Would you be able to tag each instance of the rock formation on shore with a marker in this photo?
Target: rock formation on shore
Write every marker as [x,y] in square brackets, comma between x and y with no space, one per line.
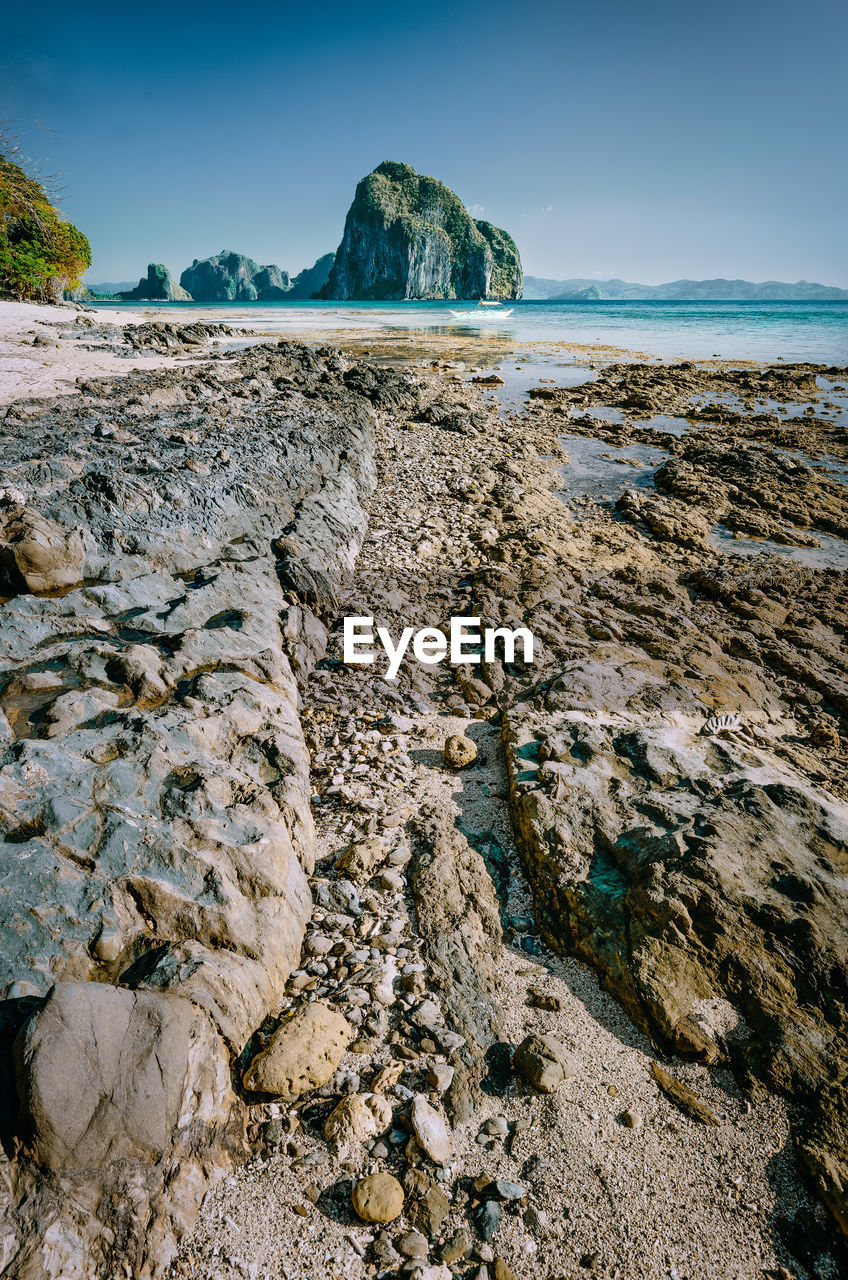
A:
[154,783]
[156,286]
[233,277]
[410,236]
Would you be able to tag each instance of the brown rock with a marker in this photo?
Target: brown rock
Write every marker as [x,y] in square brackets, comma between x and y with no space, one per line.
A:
[36,554]
[302,1055]
[361,859]
[378,1198]
[459,751]
[543,1062]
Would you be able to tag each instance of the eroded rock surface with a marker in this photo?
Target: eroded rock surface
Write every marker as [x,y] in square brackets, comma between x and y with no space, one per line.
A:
[154,781]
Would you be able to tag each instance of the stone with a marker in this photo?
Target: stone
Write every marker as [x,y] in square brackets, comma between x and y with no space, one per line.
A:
[684,1098]
[427,1014]
[488,1219]
[356,1120]
[440,1076]
[454,1248]
[825,735]
[631,1118]
[378,1198]
[496,1127]
[502,1270]
[429,1212]
[459,751]
[409,236]
[36,553]
[360,860]
[430,1131]
[543,1063]
[544,1000]
[412,1244]
[501,1189]
[302,1055]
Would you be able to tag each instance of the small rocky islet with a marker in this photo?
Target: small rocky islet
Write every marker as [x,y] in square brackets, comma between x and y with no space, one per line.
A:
[301,965]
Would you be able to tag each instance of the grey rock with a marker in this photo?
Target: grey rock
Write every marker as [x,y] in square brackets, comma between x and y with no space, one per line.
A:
[156,286]
[409,236]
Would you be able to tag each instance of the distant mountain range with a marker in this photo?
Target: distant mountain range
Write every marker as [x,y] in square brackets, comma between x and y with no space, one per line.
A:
[581,290]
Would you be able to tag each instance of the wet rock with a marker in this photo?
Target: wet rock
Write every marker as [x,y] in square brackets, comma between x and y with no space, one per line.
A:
[302,1054]
[378,1198]
[543,1063]
[459,751]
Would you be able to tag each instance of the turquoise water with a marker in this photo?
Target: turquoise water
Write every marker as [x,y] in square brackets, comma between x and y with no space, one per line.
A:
[813,331]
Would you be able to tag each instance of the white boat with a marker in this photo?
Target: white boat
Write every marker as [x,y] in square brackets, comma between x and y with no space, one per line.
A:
[485,310]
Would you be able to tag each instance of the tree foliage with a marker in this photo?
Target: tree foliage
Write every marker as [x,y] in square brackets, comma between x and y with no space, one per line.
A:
[41,253]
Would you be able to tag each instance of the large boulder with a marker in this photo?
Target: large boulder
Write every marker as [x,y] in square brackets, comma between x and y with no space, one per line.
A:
[126,1111]
[36,554]
[410,236]
[233,277]
[156,286]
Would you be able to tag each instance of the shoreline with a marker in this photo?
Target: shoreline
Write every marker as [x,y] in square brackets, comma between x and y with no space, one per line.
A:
[656,631]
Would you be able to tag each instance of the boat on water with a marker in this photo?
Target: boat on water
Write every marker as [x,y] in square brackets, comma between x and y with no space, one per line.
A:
[486,309]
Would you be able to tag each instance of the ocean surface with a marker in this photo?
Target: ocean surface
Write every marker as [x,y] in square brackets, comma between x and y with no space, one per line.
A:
[806,331]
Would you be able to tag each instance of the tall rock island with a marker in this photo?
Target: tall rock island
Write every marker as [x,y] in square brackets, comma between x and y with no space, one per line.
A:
[233,277]
[157,286]
[409,236]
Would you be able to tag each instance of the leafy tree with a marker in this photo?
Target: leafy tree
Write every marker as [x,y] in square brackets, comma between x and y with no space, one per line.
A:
[41,253]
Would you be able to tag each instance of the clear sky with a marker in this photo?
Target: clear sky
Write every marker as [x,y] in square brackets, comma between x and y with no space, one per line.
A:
[647,140]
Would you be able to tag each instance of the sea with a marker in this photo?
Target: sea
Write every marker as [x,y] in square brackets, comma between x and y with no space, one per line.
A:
[792,331]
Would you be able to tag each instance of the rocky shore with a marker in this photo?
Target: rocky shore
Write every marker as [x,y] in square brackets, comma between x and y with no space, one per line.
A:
[502,969]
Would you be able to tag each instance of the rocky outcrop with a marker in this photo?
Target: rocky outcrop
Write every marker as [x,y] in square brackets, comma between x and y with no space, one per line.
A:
[309,282]
[409,236]
[154,781]
[233,277]
[700,875]
[156,286]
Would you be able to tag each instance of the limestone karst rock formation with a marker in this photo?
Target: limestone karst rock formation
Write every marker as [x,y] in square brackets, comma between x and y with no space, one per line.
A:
[156,286]
[410,236]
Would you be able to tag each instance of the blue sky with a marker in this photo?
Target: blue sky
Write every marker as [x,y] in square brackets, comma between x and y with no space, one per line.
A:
[648,141]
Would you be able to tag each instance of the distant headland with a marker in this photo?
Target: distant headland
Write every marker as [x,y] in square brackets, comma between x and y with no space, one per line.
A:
[583,290]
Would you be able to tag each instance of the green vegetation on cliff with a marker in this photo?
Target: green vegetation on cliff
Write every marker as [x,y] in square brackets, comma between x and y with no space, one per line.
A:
[409,236]
[40,252]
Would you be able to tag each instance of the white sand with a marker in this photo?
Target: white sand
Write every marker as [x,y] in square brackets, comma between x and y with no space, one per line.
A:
[28,371]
